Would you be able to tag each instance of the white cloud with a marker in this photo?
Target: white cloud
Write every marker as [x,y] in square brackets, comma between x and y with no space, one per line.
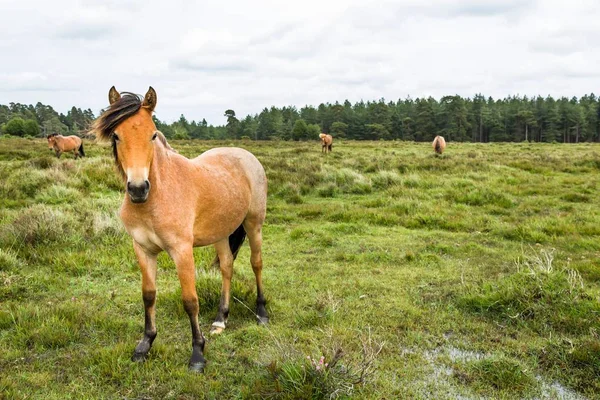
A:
[205,57]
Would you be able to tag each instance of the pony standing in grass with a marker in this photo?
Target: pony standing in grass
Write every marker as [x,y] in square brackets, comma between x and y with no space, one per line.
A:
[175,204]
[62,144]
[439,144]
[326,142]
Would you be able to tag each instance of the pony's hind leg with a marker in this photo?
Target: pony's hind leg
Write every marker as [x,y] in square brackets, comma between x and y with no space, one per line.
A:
[184,260]
[255,239]
[147,264]
[226,265]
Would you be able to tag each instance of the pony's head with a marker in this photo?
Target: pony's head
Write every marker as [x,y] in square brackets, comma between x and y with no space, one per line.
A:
[128,124]
[51,140]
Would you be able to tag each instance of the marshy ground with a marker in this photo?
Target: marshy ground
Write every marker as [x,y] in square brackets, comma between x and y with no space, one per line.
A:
[475,274]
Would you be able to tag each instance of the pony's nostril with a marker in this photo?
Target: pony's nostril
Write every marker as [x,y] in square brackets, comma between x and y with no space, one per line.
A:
[138,191]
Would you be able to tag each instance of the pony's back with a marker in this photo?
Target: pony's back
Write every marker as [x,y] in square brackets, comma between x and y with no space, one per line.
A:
[439,144]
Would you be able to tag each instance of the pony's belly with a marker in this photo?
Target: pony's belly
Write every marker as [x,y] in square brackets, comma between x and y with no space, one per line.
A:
[208,231]
[205,241]
[206,237]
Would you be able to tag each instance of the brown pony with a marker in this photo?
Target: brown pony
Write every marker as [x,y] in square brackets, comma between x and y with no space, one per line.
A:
[326,142]
[439,144]
[61,144]
[174,204]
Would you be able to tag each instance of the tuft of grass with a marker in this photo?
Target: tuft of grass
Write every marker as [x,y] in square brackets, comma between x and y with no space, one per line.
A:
[581,358]
[500,374]
[576,198]
[9,260]
[308,379]
[56,194]
[332,375]
[327,190]
[43,162]
[385,179]
[40,224]
[290,193]
[523,233]
[347,180]
[539,294]
[480,197]
[25,183]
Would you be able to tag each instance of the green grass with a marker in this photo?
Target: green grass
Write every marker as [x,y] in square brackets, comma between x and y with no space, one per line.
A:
[473,275]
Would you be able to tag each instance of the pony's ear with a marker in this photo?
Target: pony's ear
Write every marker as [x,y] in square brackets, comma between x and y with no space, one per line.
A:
[113,95]
[150,99]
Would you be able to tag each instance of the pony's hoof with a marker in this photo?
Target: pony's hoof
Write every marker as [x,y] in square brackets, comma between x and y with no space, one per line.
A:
[263,321]
[216,330]
[139,357]
[197,368]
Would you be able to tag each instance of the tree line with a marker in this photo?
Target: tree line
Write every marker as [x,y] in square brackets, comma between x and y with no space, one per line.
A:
[28,120]
[476,119]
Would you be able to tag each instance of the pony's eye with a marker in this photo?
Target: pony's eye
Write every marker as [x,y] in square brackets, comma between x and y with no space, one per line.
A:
[115,137]
[154,136]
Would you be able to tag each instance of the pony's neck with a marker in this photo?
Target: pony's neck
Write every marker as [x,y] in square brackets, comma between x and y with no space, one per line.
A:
[158,161]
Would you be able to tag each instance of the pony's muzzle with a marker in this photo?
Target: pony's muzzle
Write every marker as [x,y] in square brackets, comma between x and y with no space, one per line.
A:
[138,192]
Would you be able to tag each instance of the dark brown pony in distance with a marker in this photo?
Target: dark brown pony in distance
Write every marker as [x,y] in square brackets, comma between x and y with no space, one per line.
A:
[439,144]
[326,142]
[174,204]
[62,144]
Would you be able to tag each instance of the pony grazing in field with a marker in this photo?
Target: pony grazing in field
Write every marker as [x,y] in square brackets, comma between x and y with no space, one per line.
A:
[61,144]
[439,144]
[175,204]
[326,142]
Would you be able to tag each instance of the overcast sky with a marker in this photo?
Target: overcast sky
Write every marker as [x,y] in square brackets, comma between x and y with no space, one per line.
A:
[205,57]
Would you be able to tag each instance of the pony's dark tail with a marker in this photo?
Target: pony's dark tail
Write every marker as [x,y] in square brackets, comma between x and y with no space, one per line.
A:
[438,147]
[81,150]
[236,239]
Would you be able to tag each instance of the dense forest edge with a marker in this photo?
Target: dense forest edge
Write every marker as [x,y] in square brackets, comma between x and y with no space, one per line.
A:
[477,119]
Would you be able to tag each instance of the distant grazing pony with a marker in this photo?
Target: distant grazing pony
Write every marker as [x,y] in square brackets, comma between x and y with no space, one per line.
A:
[174,204]
[61,144]
[439,144]
[326,142]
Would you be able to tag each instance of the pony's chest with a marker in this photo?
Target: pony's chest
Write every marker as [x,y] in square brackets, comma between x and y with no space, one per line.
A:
[146,237]
[142,232]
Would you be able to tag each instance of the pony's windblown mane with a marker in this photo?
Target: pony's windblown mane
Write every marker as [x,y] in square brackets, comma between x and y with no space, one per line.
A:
[117,112]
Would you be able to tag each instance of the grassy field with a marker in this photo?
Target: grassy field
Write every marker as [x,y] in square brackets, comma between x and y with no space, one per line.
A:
[471,275]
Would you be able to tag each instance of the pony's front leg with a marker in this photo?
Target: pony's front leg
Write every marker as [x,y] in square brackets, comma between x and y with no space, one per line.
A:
[184,260]
[226,265]
[58,153]
[147,264]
